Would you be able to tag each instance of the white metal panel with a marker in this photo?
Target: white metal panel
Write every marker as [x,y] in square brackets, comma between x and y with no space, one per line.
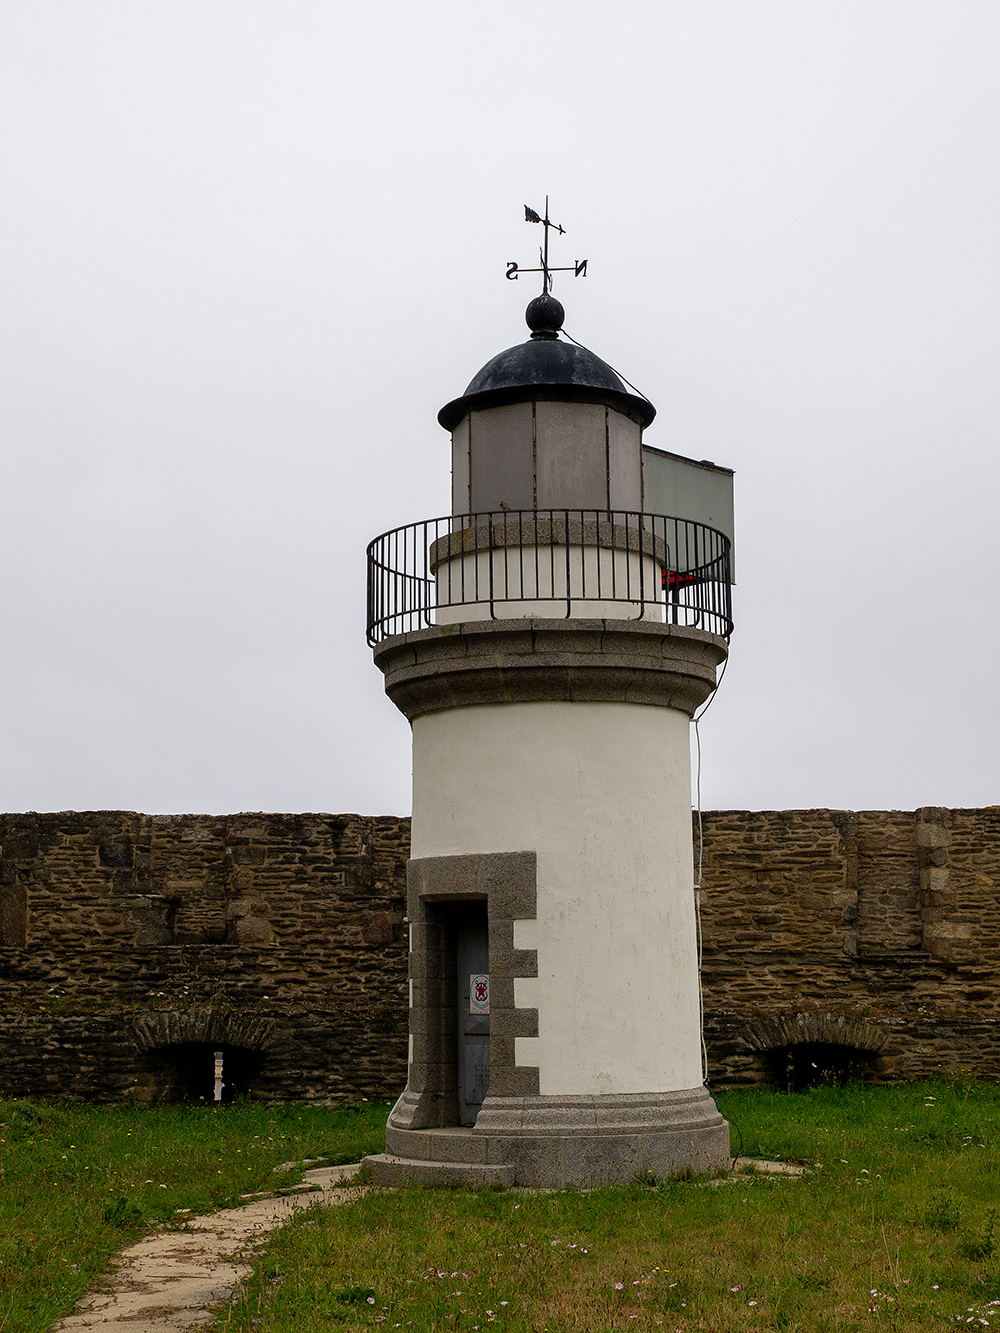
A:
[461,501]
[624,462]
[501,457]
[686,488]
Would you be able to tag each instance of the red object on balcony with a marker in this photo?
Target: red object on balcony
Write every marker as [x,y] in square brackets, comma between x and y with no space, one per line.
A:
[677,578]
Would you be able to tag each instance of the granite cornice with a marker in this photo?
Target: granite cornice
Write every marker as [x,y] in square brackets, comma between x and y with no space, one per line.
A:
[520,661]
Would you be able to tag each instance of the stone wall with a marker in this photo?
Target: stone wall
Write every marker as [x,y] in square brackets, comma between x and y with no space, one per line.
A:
[126,936]
[874,929]
[123,935]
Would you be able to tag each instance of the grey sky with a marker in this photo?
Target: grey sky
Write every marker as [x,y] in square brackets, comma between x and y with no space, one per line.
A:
[249,249]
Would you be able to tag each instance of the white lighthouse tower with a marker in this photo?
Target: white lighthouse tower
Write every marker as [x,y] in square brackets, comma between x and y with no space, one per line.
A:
[549,642]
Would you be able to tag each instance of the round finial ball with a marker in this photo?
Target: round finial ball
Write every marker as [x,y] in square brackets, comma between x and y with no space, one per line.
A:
[544,314]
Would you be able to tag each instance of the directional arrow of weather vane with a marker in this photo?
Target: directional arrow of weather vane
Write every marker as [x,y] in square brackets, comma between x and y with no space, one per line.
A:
[578,269]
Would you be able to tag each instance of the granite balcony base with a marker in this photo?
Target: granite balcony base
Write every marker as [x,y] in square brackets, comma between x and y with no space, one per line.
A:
[551,1142]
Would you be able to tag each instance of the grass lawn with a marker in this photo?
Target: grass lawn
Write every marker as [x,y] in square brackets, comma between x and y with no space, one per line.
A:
[893,1228]
[78,1182]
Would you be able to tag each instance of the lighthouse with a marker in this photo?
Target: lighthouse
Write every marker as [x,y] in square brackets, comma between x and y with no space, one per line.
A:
[549,641]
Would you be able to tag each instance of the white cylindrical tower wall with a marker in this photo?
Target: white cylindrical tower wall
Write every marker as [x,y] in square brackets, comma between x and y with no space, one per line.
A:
[601,793]
[551,775]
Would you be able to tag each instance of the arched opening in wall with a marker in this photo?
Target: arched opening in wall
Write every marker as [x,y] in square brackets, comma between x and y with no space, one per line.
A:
[810,1064]
[199,1071]
[805,1050]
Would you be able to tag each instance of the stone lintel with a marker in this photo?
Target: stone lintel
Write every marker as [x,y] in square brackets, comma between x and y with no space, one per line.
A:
[777,1030]
[221,1027]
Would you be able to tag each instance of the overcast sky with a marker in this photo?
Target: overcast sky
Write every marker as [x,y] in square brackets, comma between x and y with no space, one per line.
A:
[247,250]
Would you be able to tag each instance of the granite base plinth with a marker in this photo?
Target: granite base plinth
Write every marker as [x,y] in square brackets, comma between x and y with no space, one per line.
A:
[551,1142]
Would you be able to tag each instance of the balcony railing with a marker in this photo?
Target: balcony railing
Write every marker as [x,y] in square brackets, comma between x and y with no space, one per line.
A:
[551,563]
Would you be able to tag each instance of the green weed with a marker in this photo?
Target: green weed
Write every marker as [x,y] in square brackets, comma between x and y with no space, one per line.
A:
[123,1213]
[944,1212]
[357,1296]
[982,1247]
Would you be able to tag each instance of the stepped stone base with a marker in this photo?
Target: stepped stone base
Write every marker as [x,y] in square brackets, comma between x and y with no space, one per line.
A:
[387,1170]
[552,1142]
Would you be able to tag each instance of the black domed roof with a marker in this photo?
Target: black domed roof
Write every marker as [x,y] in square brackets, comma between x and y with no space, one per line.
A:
[546,369]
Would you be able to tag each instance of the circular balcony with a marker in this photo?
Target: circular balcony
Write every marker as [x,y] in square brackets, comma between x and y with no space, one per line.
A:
[549,564]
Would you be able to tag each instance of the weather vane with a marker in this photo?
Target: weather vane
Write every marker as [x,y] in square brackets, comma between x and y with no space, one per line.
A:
[578,269]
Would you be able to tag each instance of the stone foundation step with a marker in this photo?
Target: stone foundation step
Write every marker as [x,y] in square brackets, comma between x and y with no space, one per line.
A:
[396,1171]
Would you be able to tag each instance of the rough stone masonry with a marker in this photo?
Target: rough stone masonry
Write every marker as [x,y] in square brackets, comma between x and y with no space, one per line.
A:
[125,938]
[875,930]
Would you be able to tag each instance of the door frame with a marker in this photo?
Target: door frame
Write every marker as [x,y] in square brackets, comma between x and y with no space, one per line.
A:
[506,881]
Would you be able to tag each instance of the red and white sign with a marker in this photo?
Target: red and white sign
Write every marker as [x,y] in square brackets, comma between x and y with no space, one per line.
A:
[479,993]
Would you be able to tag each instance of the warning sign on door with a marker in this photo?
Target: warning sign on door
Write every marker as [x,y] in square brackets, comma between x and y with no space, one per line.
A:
[479,993]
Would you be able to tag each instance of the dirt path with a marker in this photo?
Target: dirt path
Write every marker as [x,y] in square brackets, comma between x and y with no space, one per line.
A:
[171,1280]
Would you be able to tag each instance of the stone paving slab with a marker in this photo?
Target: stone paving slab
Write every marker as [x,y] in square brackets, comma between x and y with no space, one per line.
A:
[746,1166]
[171,1280]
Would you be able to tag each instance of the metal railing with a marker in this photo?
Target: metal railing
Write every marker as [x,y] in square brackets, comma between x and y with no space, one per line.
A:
[551,563]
